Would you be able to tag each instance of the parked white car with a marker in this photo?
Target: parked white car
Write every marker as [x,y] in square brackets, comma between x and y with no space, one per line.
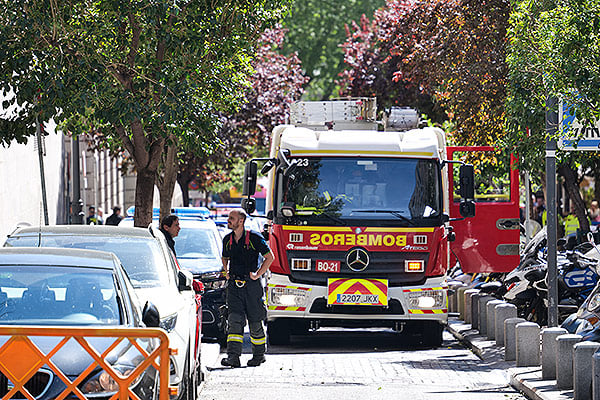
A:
[155,276]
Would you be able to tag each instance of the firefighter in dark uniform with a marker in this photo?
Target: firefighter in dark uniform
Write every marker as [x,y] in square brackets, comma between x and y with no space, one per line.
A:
[245,293]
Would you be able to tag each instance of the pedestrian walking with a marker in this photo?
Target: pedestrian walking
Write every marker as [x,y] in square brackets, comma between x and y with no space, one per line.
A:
[116,216]
[169,226]
[245,293]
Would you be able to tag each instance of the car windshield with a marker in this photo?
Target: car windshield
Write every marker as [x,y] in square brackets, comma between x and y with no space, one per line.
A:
[51,295]
[142,258]
[196,243]
[367,189]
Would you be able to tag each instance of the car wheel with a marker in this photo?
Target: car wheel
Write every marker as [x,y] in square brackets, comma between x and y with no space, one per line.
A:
[190,383]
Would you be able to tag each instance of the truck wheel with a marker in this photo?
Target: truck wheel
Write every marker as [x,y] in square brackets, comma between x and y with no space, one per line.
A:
[278,332]
[432,334]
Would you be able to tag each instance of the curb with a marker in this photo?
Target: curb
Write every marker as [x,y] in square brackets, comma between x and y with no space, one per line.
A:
[527,380]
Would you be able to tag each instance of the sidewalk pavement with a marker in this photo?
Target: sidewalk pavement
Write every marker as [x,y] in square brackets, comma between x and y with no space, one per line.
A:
[527,380]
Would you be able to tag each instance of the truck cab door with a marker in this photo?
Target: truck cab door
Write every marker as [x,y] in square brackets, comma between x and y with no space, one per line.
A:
[488,242]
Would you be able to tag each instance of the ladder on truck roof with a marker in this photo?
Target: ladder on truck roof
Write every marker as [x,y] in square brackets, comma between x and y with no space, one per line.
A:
[350,114]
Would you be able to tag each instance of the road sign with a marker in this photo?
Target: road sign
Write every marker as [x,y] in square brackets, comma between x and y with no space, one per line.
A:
[576,136]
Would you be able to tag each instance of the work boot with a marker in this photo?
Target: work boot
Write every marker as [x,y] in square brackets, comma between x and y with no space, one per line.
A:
[255,361]
[231,361]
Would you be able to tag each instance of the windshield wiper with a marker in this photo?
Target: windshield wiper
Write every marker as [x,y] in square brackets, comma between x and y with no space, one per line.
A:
[396,214]
[331,217]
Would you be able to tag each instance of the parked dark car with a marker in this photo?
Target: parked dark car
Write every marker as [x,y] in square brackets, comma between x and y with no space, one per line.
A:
[67,287]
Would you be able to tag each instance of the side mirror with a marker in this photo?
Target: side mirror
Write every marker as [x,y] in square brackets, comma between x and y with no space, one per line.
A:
[250,178]
[268,166]
[270,215]
[467,208]
[186,280]
[249,205]
[467,191]
[150,315]
[288,210]
[198,287]
[467,182]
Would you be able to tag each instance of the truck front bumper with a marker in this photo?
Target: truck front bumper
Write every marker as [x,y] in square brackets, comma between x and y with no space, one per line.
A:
[405,303]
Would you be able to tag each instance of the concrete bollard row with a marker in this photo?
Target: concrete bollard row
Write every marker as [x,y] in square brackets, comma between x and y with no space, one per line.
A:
[564,360]
[596,376]
[582,369]
[510,347]
[549,349]
[502,313]
[491,318]
[527,337]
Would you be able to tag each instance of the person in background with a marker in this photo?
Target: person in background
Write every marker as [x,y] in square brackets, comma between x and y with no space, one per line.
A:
[169,226]
[116,216]
[100,216]
[594,212]
[92,218]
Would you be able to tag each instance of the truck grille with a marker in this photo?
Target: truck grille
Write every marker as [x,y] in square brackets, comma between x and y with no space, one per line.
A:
[36,386]
[384,265]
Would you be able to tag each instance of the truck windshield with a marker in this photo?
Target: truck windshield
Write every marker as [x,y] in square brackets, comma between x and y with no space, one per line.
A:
[367,189]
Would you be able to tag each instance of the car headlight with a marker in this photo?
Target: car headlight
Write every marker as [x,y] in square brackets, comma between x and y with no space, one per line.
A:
[594,302]
[288,297]
[168,323]
[426,299]
[102,384]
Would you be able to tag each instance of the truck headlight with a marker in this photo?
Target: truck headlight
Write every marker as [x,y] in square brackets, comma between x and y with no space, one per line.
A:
[288,297]
[426,299]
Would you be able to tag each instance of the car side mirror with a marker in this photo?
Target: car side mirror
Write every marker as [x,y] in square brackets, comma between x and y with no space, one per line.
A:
[150,315]
[186,280]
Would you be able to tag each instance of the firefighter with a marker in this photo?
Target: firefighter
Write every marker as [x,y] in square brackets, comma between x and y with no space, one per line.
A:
[244,289]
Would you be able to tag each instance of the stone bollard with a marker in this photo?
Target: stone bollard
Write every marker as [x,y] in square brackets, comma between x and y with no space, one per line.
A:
[596,376]
[475,309]
[453,301]
[527,336]
[502,313]
[483,300]
[510,343]
[549,348]
[582,369]
[460,298]
[469,305]
[491,318]
[564,360]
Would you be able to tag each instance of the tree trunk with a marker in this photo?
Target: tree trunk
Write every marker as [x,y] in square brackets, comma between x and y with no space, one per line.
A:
[184,178]
[166,184]
[144,193]
[597,180]
[572,187]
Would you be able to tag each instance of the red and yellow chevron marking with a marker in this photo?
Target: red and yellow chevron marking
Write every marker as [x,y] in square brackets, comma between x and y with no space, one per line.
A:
[423,289]
[339,286]
[283,308]
[442,311]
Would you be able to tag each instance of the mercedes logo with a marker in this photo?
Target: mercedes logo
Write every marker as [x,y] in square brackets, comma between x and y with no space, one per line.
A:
[357,259]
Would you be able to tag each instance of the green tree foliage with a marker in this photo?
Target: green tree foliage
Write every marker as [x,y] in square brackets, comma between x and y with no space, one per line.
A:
[444,57]
[316,29]
[555,51]
[277,82]
[147,74]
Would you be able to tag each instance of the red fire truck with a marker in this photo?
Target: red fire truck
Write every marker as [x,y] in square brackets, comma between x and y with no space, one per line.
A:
[362,220]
